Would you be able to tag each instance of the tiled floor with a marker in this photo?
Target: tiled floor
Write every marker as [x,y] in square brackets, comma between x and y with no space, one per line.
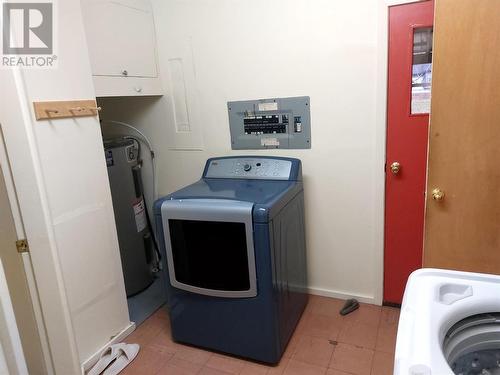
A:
[324,343]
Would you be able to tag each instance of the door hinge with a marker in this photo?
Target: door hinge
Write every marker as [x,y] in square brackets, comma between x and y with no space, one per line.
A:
[22,246]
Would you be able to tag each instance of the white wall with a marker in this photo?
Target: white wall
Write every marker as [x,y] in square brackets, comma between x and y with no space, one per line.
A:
[242,49]
[59,171]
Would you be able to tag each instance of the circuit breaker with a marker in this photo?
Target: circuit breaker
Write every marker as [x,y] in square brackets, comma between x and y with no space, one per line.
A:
[270,123]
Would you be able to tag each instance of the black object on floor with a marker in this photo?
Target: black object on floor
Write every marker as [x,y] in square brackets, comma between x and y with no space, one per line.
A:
[349,306]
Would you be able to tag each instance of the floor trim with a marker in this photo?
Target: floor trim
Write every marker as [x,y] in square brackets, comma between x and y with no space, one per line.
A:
[391,304]
[341,295]
[87,365]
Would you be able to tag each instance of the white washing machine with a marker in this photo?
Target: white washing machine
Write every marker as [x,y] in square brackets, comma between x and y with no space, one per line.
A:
[449,324]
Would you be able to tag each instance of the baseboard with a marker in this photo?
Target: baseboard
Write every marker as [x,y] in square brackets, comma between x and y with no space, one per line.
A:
[87,365]
[391,304]
[341,295]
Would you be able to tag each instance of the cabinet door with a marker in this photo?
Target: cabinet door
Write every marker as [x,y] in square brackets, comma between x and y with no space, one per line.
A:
[121,38]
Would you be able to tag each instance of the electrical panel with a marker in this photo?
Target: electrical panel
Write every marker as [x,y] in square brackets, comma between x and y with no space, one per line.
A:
[270,123]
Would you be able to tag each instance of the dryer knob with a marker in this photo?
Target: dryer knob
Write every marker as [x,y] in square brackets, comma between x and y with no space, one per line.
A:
[247,167]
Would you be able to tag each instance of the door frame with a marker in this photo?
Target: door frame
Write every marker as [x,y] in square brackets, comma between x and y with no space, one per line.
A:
[12,358]
[381,135]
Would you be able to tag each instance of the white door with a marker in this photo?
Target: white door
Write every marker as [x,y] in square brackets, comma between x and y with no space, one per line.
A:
[59,172]
[121,37]
[16,292]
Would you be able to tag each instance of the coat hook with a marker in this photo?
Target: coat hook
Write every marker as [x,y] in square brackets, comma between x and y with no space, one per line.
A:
[65,109]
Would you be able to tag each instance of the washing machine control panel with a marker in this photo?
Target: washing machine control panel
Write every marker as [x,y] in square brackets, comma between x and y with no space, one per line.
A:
[249,168]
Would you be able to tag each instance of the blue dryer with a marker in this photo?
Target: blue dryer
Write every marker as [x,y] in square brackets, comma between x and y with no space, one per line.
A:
[236,256]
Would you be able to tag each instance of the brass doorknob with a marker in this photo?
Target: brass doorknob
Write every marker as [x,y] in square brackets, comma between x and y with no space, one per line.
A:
[437,194]
[395,167]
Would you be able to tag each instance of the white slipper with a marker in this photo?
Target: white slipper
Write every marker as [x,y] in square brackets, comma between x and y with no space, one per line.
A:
[121,353]
[126,354]
[104,360]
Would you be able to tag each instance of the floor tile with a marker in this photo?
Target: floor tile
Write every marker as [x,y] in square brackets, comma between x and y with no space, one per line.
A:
[211,371]
[292,345]
[389,316]
[226,364]
[254,369]
[365,314]
[386,339]
[162,313]
[280,368]
[324,326]
[352,359]
[383,363]
[162,350]
[313,350]
[147,362]
[163,341]
[146,332]
[301,368]
[388,328]
[198,356]
[324,306]
[305,354]
[176,366]
[359,334]
[332,371]
[302,322]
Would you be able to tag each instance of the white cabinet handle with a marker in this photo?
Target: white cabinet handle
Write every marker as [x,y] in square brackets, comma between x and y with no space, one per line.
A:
[138,89]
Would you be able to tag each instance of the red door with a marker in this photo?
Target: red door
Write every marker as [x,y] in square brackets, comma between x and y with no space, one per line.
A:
[408,102]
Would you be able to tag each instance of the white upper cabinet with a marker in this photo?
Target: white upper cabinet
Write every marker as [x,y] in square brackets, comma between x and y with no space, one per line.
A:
[122,47]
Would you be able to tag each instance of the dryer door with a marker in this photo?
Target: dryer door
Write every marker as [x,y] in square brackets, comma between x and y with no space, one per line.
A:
[209,244]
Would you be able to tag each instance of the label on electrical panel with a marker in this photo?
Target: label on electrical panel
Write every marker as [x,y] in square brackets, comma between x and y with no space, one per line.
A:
[140,215]
[268,106]
[270,142]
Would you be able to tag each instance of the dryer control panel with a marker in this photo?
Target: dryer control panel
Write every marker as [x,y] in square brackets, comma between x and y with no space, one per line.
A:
[249,168]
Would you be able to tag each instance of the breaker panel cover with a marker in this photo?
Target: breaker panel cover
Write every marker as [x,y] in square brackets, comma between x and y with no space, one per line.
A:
[270,123]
